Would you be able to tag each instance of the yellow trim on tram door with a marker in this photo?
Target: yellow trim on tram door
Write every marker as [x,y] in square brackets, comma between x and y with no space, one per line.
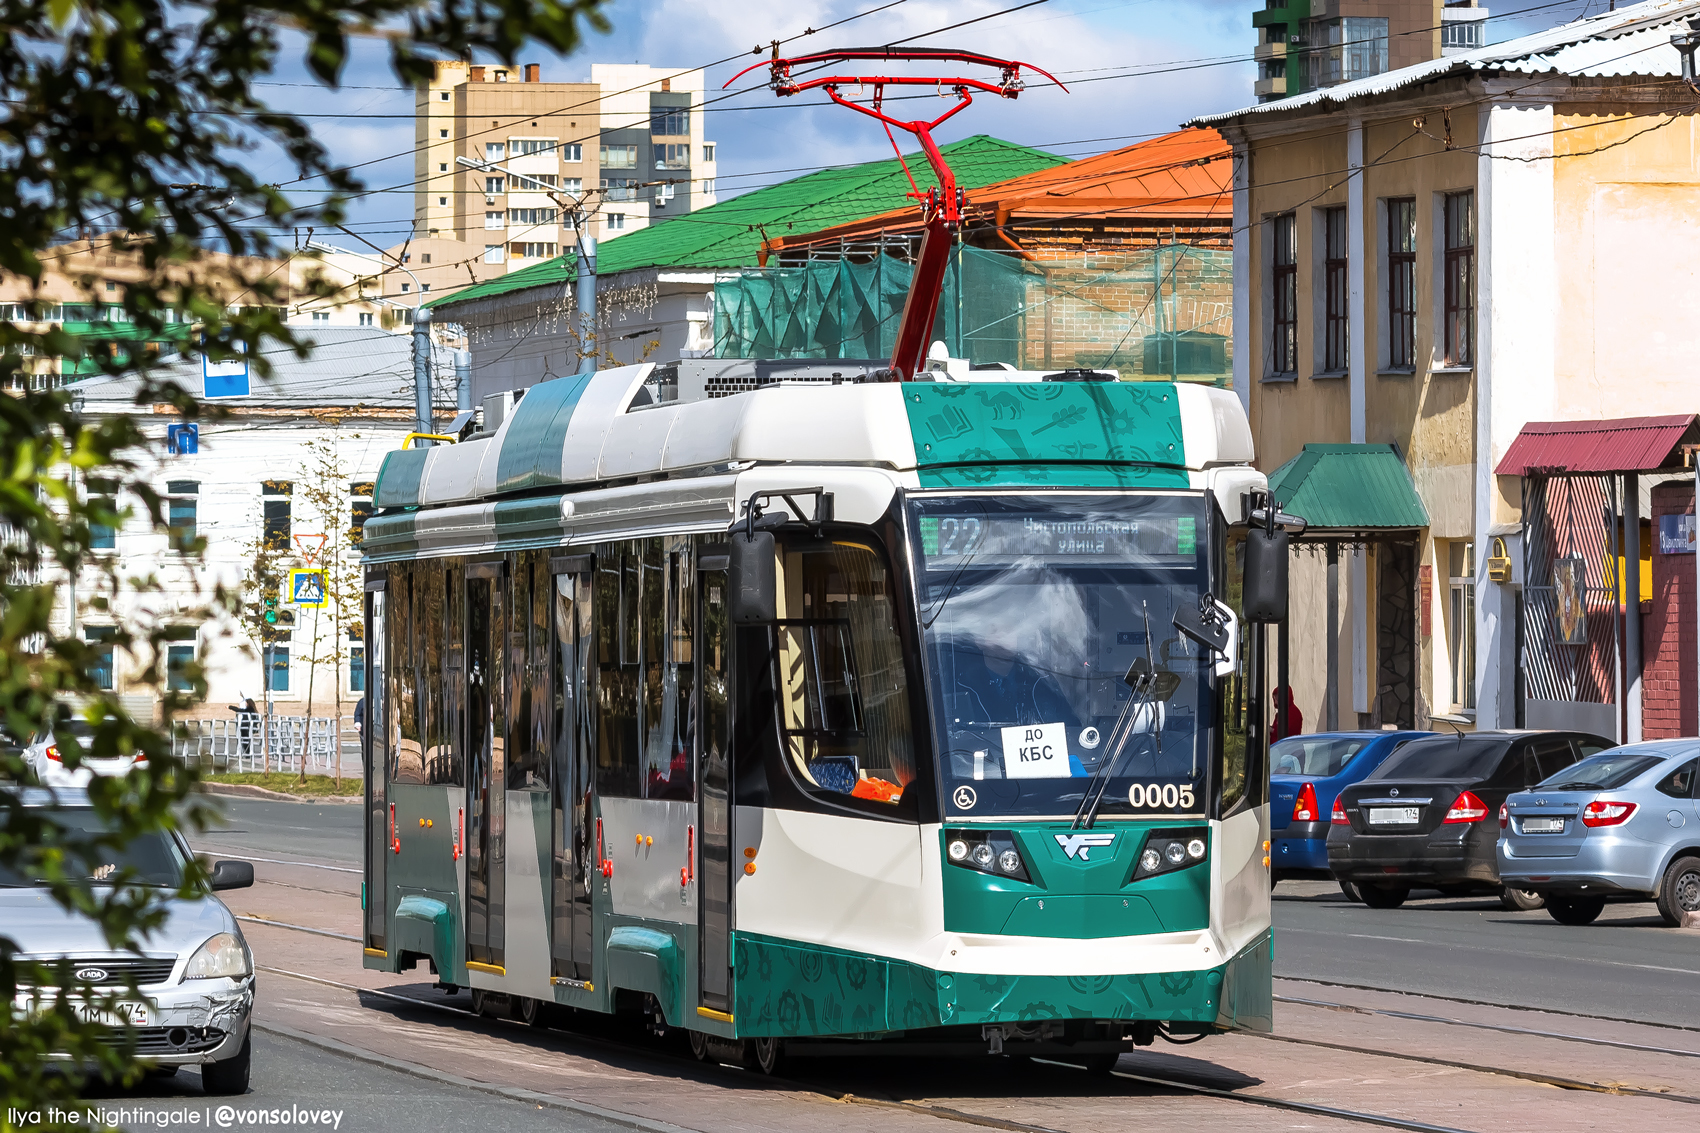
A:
[711,1013]
[493,969]
[377,952]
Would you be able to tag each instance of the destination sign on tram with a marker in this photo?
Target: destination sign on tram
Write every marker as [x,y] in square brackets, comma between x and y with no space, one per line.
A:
[949,540]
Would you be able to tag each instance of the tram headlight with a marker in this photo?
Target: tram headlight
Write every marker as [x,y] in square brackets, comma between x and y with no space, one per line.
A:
[1166,851]
[993,852]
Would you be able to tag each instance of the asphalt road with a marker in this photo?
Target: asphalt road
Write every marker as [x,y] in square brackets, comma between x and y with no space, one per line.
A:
[1625,965]
[338,1093]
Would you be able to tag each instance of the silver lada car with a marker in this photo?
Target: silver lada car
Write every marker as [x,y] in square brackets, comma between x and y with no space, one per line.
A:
[194,975]
[1623,821]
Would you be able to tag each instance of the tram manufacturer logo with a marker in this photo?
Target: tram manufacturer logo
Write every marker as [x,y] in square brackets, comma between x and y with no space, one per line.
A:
[1081,844]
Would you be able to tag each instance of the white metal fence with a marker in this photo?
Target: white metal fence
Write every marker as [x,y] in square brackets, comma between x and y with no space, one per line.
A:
[323,743]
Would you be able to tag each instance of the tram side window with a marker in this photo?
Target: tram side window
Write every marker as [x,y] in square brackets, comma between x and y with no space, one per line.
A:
[406,751]
[670,749]
[615,594]
[652,634]
[428,601]
[528,638]
[843,689]
[454,670]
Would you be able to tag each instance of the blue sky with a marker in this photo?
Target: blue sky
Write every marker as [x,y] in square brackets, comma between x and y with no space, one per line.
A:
[1200,49]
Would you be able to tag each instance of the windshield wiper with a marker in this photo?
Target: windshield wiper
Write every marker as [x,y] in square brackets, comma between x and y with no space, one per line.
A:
[1141,681]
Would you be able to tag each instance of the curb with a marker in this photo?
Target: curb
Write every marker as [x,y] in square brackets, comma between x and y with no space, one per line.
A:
[585,1109]
[248,791]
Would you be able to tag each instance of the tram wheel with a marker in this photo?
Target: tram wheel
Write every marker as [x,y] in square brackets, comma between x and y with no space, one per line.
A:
[699,1046]
[534,1012]
[487,1004]
[769,1055]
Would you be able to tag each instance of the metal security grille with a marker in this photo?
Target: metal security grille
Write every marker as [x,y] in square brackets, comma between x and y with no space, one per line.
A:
[1570,651]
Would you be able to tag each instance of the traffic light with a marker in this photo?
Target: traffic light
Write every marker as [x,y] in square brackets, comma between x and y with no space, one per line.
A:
[270,614]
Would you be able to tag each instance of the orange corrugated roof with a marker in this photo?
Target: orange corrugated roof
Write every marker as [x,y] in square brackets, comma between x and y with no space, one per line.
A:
[1185,176]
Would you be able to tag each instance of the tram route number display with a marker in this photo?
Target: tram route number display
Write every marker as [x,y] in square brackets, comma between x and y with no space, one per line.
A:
[1036,751]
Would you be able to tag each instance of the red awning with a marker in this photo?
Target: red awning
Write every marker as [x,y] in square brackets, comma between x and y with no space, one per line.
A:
[1630,444]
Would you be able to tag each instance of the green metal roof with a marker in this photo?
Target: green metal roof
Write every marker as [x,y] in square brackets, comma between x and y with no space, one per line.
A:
[1350,488]
[729,234]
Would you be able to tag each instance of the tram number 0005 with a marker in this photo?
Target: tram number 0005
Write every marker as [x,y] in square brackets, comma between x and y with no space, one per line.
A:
[1160,796]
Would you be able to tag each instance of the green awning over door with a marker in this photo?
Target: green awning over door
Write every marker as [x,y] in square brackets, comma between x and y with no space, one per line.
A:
[1349,488]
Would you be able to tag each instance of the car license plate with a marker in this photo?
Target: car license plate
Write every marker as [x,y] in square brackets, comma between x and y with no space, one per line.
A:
[1392,815]
[127,1013]
[1543,826]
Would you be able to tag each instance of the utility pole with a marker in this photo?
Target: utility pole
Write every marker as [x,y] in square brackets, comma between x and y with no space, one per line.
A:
[463,380]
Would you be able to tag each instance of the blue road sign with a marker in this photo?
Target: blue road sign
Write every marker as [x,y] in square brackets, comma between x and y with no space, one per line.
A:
[225,379]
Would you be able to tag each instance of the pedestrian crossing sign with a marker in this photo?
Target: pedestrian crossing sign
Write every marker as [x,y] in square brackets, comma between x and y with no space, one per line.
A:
[307,588]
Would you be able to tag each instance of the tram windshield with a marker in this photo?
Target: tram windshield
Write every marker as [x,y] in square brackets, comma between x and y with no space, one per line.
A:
[1034,610]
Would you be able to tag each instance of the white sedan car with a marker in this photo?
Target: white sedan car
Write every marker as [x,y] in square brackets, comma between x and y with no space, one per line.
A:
[48,763]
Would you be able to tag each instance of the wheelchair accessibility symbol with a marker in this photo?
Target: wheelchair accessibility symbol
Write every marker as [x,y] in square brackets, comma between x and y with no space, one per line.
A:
[964,798]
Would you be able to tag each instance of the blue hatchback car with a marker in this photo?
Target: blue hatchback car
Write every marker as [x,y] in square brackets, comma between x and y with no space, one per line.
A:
[1624,821]
[1305,773]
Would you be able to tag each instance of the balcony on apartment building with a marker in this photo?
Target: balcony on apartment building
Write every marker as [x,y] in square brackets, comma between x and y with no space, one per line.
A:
[1463,27]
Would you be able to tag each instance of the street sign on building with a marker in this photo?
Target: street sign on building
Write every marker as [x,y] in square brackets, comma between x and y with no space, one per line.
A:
[225,379]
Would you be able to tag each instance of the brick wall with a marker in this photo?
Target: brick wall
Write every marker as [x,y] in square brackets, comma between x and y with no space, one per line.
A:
[1668,632]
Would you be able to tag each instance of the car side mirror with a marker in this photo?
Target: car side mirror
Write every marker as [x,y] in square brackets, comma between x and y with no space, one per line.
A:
[751,577]
[232,875]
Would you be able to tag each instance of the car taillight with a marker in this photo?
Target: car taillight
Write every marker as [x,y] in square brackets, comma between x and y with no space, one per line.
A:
[1603,813]
[1467,808]
[53,753]
[1504,816]
[1304,810]
[1338,818]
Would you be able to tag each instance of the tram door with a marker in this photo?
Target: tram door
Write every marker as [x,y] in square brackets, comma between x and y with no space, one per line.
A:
[714,818]
[375,740]
[570,820]
[485,770]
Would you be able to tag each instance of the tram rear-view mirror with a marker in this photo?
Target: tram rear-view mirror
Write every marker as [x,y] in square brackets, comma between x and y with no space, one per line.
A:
[751,577]
[1266,575]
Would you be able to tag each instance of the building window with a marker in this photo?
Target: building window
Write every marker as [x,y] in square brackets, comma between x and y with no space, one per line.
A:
[1284,273]
[534,181]
[1402,283]
[178,658]
[532,216]
[180,515]
[103,669]
[442,167]
[708,151]
[1461,35]
[495,220]
[573,185]
[356,666]
[274,500]
[708,186]
[406,287]
[443,95]
[619,157]
[572,153]
[494,185]
[664,193]
[365,318]
[532,250]
[1460,269]
[672,156]
[321,316]
[103,497]
[1336,314]
[495,151]
[442,133]
[673,121]
[493,252]
[525,147]
[426,258]
[619,188]
[616,221]
[443,201]
[276,661]
[1462,639]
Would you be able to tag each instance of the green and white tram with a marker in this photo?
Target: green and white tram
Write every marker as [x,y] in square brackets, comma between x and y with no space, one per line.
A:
[797,708]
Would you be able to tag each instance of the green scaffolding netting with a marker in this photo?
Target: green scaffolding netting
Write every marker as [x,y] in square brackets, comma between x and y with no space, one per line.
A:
[1158,313]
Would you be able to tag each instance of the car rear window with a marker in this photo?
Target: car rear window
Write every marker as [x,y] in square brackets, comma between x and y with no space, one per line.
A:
[1308,755]
[154,857]
[1601,772]
[1444,757]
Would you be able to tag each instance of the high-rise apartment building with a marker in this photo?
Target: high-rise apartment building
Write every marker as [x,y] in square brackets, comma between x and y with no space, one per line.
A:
[627,146]
[1306,44]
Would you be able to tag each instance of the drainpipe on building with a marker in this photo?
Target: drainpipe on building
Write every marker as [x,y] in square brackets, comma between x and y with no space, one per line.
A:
[422,368]
[1331,701]
[463,381]
[1632,607]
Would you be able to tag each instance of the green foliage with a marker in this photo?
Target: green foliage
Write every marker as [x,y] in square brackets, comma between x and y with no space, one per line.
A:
[133,122]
